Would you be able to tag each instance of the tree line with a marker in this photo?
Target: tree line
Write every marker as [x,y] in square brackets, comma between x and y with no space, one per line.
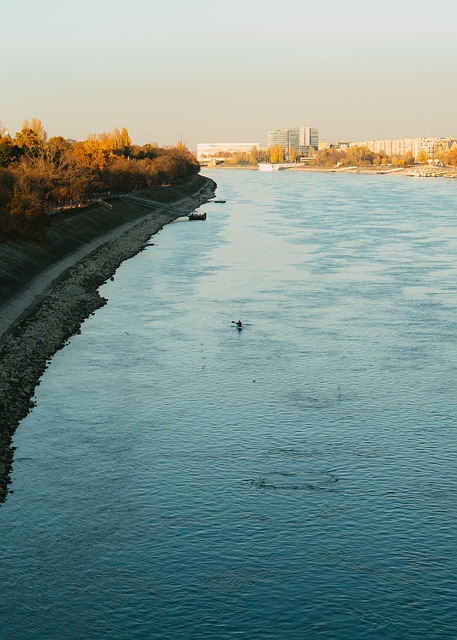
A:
[38,174]
[363,156]
[254,156]
[353,156]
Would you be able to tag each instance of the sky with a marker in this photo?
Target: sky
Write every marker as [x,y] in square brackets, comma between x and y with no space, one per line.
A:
[229,71]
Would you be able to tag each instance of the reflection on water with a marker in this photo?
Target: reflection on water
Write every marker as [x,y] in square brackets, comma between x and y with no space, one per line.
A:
[181,479]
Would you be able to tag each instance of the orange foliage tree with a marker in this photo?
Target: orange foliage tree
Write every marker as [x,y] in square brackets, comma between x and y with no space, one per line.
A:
[37,174]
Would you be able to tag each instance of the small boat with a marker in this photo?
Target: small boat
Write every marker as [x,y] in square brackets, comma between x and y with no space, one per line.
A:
[197,216]
[268,166]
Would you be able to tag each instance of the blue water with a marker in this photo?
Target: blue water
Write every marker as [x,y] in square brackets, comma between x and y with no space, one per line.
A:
[179,479]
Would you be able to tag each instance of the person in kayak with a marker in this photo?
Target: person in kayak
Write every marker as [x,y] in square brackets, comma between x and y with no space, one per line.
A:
[239,324]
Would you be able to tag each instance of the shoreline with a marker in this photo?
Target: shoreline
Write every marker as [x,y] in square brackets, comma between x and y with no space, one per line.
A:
[426,171]
[39,321]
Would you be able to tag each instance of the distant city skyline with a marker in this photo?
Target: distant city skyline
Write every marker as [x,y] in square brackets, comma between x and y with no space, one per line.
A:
[302,139]
[217,71]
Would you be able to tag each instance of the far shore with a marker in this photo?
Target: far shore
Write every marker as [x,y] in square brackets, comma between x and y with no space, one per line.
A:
[419,170]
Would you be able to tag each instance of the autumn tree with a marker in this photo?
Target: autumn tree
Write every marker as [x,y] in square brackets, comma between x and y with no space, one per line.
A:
[93,153]
[37,175]
[451,157]
[360,156]
[28,141]
[405,160]
[181,146]
[146,151]
[381,158]
[31,138]
[6,190]
[9,152]
[237,158]
[36,126]
[166,169]
[330,156]
[254,156]
[27,216]
[101,148]
[276,154]
[121,142]
[58,147]
[263,155]
[53,178]
[408,158]
[422,156]
[149,172]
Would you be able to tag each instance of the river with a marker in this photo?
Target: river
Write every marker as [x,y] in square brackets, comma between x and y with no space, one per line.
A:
[181,479]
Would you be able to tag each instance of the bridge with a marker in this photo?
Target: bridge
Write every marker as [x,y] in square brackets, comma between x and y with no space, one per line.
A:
[210,162]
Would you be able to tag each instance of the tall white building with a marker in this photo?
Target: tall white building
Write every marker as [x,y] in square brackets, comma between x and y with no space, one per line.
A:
[302,138]
[308,136]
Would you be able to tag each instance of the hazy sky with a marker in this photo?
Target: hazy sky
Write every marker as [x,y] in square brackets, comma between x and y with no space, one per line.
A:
[229,70]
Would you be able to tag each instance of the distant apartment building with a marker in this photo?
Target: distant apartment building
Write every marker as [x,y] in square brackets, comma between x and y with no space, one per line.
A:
[303,139]
[214,149]
[400,147]
[341,145]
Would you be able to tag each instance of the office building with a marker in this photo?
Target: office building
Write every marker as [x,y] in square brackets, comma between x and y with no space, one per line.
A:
[304,139]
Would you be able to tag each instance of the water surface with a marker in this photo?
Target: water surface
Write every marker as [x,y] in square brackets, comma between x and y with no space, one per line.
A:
[181,479]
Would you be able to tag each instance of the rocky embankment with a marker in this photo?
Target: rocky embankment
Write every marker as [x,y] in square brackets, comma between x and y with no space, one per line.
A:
[66,290]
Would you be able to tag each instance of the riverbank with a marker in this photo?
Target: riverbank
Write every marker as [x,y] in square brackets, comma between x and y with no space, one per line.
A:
[424,171]
[48,291]
[415,170]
